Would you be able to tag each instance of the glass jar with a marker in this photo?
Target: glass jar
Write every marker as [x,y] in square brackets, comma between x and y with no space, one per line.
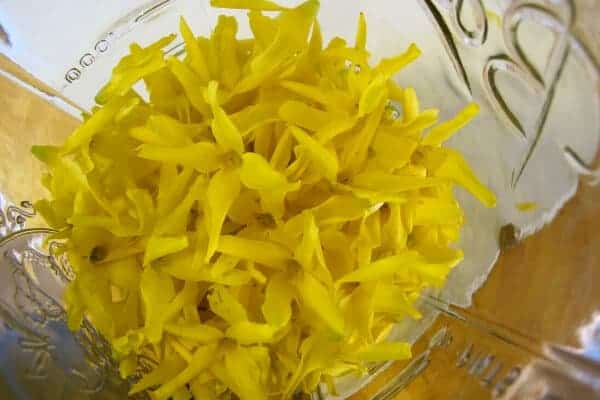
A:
[533,68]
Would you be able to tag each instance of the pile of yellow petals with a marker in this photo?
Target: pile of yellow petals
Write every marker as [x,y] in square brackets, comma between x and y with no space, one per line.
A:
[258,225]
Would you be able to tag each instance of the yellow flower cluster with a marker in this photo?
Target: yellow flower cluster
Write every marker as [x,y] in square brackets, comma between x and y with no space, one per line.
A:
[259,225]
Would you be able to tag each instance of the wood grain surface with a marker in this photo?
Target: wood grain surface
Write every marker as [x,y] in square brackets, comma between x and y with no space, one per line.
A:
[25,119]
[543,289]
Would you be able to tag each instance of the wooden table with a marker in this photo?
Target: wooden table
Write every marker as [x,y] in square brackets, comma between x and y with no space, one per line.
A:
[543,289]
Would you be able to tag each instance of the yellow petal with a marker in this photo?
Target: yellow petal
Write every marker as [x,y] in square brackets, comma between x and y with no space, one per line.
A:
[182,266]
[144,208]
[190,82]
[361,32]
[259,5]
[49,155]
[264,140]
[172,131]
[226,44]
[204,156]
[357,77]
[224,264]
[394,233]
[385,267]
[165,371]
[246,332]
[51,216]
[256,173]
[303,115]
[317,351]
[384,352]
[107,223]
[282,153]
[222,190]
[299,166]
[128,366]
[395,91]
[140,63]
[189,294]
[442,132]
[421,122]
[203,391]
[75,306]
[431,211]
[316,297]
[201,360]
[307,66]
[392,299]
[124,273]
[324,158]
[309,252]
[381,181]
[411,105]
[370,229]
[164,90]
[256,274]
[358,150]
[267,253]
[393,151]
[149,136]
[197,332]
[390,66]
[373,95]
[195,56]
[455,167]
[223,304]
[176,222]
[327,98]
[160,246]
[334,128]
[340,208]
[245,208]
[224,130]
[527,206]
[359,311]
[247,384]
[408,266]
[290,40]
[181,394]
[277,308]
[98,121]
[294,25]
[263,28]
[255,116]
[156,291]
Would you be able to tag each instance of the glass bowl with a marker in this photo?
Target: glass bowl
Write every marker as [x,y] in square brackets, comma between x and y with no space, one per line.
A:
[533,68]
